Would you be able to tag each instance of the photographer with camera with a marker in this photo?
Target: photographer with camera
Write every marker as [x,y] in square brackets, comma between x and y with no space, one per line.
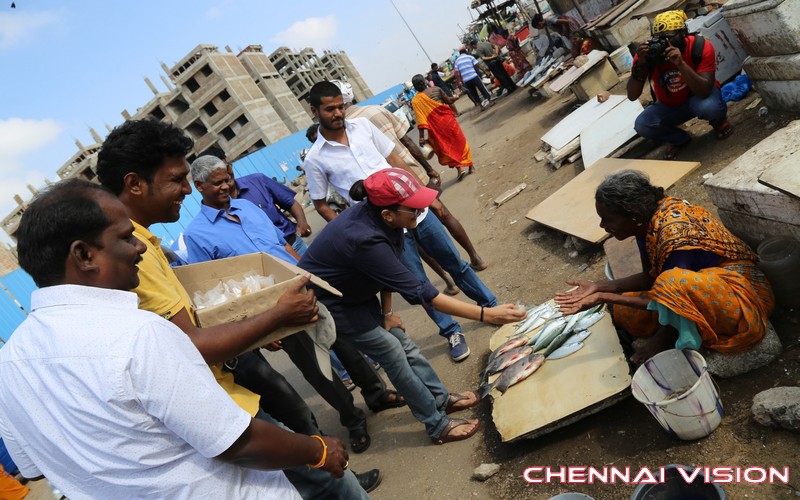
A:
[681,70]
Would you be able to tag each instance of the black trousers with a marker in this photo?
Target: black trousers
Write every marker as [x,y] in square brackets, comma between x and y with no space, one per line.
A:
[278,397]
[300,349]
[474,86]
[497,69]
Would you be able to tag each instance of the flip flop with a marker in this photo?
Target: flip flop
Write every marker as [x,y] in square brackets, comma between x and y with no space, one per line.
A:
[359,439]
[445,436]
[461,174]
[673,150]
[461,401]
[724,131]
[387,402]
[481,267]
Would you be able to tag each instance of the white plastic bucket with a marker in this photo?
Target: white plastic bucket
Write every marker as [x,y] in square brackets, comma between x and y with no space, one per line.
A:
[621,59]
[678,390]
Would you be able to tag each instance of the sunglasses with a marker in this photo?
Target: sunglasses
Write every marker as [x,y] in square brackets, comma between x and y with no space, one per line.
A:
[415,211]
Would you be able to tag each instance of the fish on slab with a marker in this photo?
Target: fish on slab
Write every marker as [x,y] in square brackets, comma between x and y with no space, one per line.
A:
[515,373]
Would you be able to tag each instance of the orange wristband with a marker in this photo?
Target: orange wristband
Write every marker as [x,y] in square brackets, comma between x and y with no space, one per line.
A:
[324,454]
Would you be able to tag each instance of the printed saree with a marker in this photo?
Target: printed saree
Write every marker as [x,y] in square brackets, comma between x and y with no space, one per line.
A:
[727,305]
[444,132]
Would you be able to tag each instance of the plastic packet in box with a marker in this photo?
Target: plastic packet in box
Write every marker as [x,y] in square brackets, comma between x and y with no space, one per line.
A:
[205,276]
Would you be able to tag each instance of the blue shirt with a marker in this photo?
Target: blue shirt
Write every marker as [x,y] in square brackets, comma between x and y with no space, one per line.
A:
[266,193]
[360,256]
[211,235]
[465,64]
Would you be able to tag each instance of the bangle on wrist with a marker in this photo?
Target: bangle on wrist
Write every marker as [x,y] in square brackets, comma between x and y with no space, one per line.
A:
[324,453]
[481,320]
[387,314]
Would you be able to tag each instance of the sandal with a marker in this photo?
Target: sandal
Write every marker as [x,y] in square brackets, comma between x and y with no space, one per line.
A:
[462,172]
[461,401]
[673,150]
[390,399]
[446,437]
[724,131]
[359,439]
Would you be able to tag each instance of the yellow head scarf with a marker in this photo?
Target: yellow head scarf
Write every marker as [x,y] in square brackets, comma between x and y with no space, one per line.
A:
[671,20]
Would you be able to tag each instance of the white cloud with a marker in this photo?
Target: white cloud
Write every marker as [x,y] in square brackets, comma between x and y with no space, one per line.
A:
[315,32]
[16,26]
[213,13]
[19,136]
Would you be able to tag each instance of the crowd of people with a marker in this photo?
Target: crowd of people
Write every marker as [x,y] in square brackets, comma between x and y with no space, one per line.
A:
[158,406]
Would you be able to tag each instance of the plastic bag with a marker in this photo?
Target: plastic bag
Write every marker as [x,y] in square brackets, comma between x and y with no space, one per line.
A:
[229,289]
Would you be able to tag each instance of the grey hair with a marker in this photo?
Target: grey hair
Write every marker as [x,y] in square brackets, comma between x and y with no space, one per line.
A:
[630,193]
[203,166]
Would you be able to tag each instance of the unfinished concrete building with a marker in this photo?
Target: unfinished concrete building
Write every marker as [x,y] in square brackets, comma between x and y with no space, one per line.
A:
[301,70]
[237,102]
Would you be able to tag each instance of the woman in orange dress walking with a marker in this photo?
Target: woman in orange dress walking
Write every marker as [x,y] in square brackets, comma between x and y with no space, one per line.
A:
[436,120]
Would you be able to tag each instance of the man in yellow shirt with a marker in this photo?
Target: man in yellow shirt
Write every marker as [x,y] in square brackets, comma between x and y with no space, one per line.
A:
[144,163]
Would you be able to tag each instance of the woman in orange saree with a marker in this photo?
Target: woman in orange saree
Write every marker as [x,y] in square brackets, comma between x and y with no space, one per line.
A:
[700,286]
[435,115]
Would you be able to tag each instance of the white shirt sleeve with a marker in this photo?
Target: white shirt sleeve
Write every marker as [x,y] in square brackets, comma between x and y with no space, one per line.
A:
[174,384]
[316,179]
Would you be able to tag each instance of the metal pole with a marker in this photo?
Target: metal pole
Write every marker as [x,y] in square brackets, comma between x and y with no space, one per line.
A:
[412,31]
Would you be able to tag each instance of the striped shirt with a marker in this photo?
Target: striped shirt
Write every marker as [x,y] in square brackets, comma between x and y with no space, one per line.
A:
[465,64]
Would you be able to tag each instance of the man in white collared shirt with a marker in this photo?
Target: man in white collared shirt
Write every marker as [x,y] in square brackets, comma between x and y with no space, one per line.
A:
[110,401]
[350,150]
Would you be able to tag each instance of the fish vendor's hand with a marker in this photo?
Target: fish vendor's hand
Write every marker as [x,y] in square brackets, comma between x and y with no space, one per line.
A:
[581,289]
[502,314]
[581,305]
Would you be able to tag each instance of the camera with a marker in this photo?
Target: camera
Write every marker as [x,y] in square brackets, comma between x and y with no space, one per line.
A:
[657,47]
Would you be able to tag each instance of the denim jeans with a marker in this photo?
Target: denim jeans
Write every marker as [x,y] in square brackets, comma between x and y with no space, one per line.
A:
[660,122]
[474,86]
[316,483]
[409,371]
[299,246]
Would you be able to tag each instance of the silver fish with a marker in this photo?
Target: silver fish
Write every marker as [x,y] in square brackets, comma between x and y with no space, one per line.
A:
[558,341]
[588,320]
[577,337]
[532,317]
[504,360]
[517,372]
[549,332]
[565,350]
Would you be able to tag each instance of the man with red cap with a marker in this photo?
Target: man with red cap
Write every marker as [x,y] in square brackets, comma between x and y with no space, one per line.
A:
[359,253]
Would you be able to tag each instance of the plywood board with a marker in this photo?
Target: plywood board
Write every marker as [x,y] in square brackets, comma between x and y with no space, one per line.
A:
[623,257]
[574,73]
[571,208]
[609,132]
[783,176]
[571,126]
[563,390]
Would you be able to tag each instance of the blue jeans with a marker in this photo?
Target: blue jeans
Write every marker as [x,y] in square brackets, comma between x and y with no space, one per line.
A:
[660,122]
[433,238]
[316,483]
[409,371]
[299,246]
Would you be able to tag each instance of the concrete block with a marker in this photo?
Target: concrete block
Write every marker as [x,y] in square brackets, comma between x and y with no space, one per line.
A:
[777,80]
[753,230]
[735,190]
[765,27]
[597,80]
[778,407]
[725,365]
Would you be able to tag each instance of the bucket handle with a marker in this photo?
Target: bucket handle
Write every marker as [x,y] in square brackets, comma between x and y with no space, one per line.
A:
[709,412]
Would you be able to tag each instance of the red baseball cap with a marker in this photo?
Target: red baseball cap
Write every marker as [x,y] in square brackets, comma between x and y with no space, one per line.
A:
[392,186]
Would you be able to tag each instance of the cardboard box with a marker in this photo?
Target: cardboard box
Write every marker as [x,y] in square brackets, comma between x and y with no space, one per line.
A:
[204,276]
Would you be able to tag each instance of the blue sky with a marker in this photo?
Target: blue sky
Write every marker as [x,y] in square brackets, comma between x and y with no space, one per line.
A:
[70,65]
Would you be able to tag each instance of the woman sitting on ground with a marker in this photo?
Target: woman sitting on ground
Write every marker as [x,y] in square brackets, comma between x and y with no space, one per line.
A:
[700,285]
[359,254]
[435,113]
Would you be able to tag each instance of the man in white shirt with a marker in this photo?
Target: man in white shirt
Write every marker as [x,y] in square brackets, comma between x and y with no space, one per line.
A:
[350,150]
[110,401]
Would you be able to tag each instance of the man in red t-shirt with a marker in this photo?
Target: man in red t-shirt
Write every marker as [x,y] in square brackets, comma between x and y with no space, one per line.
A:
[682,79]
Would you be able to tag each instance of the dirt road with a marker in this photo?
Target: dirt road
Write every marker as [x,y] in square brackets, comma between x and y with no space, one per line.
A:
[528,264]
